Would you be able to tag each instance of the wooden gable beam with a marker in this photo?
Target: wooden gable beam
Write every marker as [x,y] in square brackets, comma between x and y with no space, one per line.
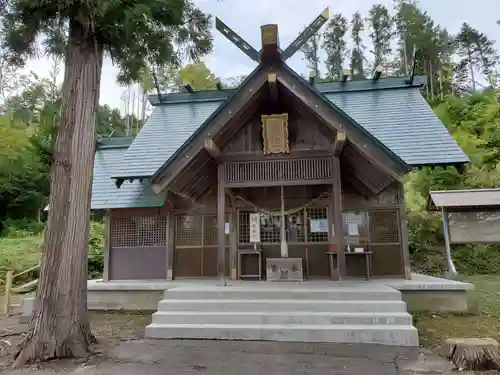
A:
[241,100]
[306,34]
[212,148]
[273,86]
[238,41]
[324,110]
[339,142]
[270,51]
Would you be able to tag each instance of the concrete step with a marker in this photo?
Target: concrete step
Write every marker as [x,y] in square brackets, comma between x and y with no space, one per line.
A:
[281,305]
[276,318]
[338,294]
[368,334]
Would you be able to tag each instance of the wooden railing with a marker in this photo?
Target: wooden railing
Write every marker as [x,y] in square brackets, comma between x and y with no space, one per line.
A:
[11,290]
[277,170]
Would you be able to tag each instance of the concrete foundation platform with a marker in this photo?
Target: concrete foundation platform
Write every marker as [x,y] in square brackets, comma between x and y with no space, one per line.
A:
[302,312]
[422,293]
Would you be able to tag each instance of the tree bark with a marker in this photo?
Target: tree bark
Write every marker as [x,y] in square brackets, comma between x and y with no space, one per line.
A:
[471,68]
[60,324]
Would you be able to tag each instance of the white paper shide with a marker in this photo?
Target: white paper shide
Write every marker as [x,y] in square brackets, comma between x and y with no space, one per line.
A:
[255,228]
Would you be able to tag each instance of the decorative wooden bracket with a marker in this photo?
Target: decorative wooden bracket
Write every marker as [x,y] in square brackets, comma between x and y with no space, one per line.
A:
[305,35]
[273,86]
[339,142]
[212,148]
[377,73]
[270,43]
[237,40]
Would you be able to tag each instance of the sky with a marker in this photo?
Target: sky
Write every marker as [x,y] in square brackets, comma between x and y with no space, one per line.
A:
[245,17]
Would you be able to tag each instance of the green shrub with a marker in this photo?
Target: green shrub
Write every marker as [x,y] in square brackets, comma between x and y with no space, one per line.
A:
[16,228]
[21,253]
[96,246]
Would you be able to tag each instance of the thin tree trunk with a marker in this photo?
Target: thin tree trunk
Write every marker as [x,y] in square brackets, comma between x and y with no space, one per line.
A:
[60,324]
[471,67]
[431,75]
[441,82]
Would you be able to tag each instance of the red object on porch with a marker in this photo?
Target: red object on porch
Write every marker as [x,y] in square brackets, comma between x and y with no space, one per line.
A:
[332,248]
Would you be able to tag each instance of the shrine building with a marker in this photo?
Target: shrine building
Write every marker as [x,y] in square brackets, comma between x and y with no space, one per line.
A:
[282,178]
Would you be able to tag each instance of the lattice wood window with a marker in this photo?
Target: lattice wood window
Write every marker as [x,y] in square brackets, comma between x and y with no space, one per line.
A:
[384,227]
[210,230]
[356,228]
[314,214]
[188,230]
[148,231]
[197,231]
[297,226]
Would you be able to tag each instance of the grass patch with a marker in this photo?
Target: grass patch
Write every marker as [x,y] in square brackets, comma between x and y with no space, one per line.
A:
[435,328]
[19,254]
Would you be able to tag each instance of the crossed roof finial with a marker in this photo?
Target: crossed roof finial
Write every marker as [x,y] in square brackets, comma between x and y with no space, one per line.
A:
[270,38]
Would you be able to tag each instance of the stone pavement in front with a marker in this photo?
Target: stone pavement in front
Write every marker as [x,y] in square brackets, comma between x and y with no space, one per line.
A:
[183,357]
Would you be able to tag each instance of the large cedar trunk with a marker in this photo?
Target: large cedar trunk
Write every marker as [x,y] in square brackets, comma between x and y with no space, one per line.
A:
[60,324]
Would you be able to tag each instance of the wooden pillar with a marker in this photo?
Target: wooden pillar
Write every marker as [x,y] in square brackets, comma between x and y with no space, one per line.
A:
[338,225]
[233,242]
[452,271]
[403,226]
[107,245]
[221,236]
[170,245]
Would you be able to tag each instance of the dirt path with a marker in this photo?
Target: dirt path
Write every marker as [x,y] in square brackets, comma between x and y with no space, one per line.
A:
[109,328]
[122,350]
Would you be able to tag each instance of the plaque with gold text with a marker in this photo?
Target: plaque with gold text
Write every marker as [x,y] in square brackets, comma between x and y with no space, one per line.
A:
[275,134]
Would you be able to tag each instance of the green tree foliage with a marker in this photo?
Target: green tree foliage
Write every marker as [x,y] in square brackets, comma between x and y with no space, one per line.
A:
[173,78]
[335,45]
[358,50]
[474,121]
[381,31]
[476,51]
[311,50]
[23,183]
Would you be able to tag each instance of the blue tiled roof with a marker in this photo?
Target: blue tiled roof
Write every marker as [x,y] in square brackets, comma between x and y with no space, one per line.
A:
[393,112]
[402,120]
[105,194]
[166,129]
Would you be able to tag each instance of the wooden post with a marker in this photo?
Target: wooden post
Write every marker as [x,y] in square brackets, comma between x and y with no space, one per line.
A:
[107,245]
[338,226]
[233,242]
[284,245]
[170,245]
[452,271]
[404,233]
[8,289]
[221,236]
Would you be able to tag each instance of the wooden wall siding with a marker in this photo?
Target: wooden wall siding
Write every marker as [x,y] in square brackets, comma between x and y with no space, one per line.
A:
[294,170]
[138,237]
[362,173]
[389,197]
[303,134]
[195,246]
[195,180]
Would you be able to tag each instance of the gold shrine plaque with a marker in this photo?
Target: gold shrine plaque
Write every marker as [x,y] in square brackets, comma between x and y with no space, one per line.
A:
[275,134]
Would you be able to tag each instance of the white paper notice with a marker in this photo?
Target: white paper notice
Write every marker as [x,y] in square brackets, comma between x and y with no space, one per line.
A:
[227,228]
[319,226]
[255,227]
[353,229]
